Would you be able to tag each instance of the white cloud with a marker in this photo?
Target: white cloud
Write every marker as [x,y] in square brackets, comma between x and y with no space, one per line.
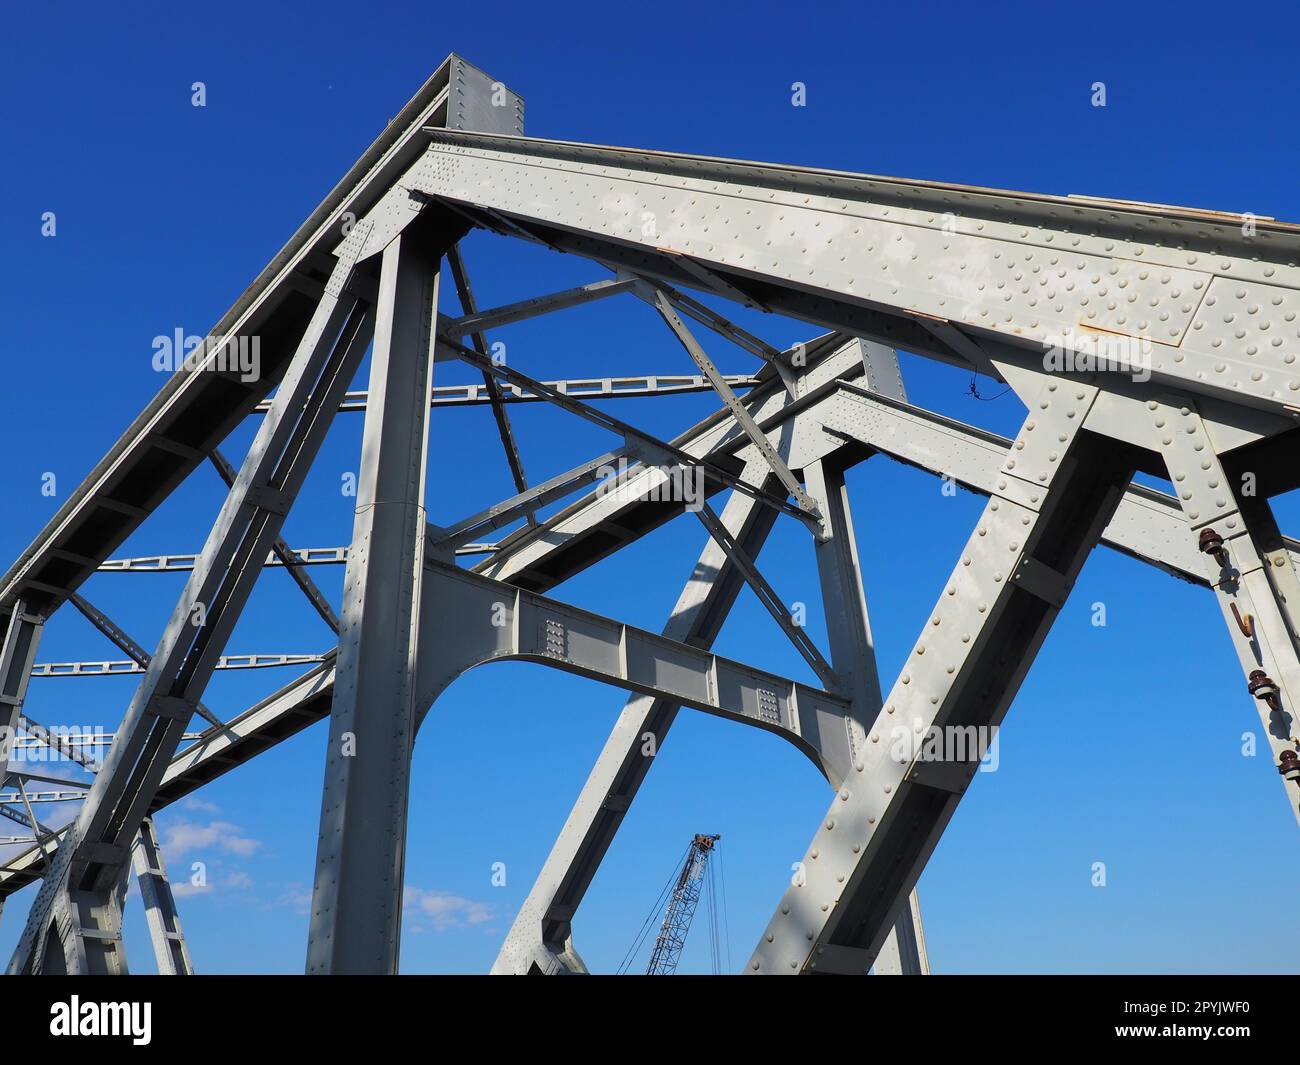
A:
[440,910]
[186,837]
[234,880]
[296,897]
[193,802]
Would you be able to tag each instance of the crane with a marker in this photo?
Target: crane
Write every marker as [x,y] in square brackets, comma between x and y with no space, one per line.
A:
[681,907]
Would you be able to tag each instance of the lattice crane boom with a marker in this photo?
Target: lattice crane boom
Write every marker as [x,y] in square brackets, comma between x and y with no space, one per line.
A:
[681,908]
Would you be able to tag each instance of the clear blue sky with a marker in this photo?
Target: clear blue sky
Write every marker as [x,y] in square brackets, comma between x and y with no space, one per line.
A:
[1124,745]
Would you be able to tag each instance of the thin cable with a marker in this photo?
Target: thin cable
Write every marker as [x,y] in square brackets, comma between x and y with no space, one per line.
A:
[713,921]
[726,920]
[655,911]
[716,940]
[974,391]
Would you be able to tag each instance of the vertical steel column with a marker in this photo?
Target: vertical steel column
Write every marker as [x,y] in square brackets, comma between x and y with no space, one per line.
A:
[86,932]
[357,899]
[904,952]
[17,655]
[159,904]
[853,654]
[540,939]
[16,659]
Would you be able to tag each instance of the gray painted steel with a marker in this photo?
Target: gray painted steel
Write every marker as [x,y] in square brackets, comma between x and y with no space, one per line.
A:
[1196,377]
[170,951]
[357,899]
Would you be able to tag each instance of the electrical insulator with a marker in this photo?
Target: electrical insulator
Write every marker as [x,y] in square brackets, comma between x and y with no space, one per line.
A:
[1211,543]
[1261,686]
[1289,766]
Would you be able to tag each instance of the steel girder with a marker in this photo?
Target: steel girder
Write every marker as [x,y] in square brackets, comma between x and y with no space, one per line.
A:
[536,559]
[581,388]
[983,279]
[356,914]
[990,264]
[1011,580]
[17,657]
[1147,525]
[73,925]
[540,939]
[909,434]
[471,619]
[170,951]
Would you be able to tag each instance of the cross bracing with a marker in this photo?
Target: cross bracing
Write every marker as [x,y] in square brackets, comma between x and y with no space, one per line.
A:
[1139,338]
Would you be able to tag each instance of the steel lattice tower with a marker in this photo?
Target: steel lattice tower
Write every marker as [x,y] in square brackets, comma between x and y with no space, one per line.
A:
[680,913]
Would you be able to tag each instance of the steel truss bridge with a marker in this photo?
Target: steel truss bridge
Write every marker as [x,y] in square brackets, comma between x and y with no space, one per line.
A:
[980,279]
